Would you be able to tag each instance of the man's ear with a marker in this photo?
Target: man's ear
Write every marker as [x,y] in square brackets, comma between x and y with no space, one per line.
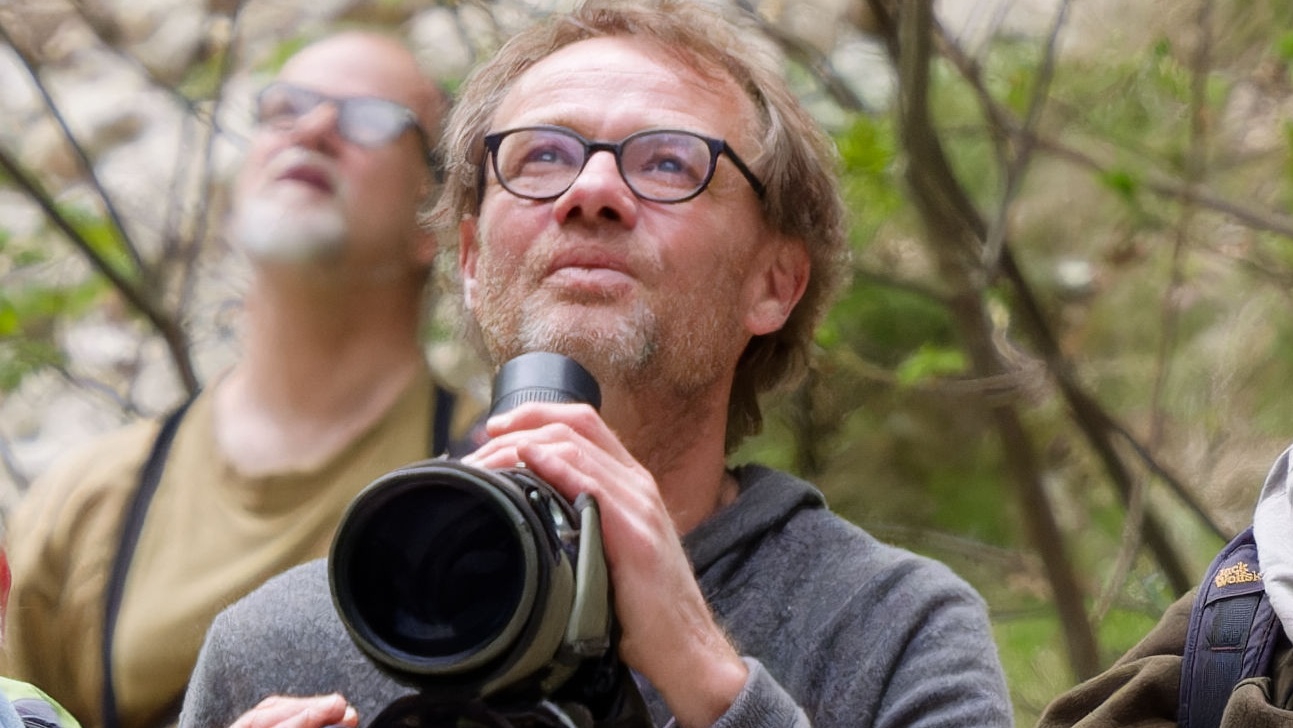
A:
[425,246]
[467,253]
[777,282]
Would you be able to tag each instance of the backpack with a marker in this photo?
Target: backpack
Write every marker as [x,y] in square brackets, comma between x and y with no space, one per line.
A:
[1231,635]
[23,705]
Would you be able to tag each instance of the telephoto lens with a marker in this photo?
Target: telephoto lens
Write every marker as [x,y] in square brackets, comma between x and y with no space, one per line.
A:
[479,585]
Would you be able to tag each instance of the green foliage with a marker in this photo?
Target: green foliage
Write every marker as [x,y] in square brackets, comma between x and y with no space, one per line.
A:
[888,325]
[1283,46]
[1123,183]
[868,152]
[22,357]
[1288,165]
[1010,72]
[34,305]
[33,310]
[203,80]
[103,238]
[930,362]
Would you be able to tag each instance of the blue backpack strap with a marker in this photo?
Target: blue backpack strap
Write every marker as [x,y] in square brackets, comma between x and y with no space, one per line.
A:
[1231,635]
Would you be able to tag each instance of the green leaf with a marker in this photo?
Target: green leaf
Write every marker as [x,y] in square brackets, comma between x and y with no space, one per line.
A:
[10,322]
[928,362]
[102,236]
[1284,46]
[1122,183]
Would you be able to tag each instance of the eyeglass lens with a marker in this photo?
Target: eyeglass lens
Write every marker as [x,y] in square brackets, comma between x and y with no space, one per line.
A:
[366,121]
[665,166]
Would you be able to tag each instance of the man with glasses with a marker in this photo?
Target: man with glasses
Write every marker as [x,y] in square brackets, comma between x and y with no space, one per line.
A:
[634,186]
[124,553]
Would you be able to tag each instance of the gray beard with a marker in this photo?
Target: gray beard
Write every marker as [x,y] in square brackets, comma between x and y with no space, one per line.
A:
[626,349]
[507,328]
[272,232]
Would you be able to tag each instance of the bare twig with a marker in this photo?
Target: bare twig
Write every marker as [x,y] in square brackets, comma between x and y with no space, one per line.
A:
[1017,166]
[166,326]
[87,167]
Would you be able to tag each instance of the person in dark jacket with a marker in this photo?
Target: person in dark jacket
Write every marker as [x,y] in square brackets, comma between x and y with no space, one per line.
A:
[1143,688]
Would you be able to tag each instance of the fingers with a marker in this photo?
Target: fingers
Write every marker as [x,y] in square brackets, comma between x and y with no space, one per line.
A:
[278,711]
[570,448]
[668,633]
[579,419]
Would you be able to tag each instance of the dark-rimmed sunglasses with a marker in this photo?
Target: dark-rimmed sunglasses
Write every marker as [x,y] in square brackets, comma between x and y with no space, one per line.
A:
[660,165]
[367,121]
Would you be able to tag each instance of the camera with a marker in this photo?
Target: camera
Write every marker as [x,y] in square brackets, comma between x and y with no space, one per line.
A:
[486,590]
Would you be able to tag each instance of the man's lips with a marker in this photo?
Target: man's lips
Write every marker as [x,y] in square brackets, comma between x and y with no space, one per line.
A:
[584,270]
[588,259]
[309,175]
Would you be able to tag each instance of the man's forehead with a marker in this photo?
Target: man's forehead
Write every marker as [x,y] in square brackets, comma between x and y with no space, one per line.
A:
[354,66]
[610,76]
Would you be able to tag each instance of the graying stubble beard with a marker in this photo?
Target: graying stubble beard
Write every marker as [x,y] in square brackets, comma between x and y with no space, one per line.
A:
[634,354]
[508,328]
[625,348]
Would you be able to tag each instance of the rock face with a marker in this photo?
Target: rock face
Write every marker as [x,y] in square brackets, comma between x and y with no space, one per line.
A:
[132,83]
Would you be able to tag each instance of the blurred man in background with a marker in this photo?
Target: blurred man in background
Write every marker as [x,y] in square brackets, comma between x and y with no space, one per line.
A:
[125,551]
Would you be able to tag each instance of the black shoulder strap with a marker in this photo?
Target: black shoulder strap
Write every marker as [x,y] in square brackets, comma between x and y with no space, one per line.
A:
[1231,635]
[441,421]
[149,476]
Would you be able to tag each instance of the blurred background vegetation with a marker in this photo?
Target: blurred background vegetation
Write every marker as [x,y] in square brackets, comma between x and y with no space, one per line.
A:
[1059,367]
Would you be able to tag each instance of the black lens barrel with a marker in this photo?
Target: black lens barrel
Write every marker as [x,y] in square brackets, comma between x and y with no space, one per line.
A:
[447,574]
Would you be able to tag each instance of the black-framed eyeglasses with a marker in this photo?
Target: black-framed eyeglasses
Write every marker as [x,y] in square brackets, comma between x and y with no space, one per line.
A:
[364,120]
[660,165]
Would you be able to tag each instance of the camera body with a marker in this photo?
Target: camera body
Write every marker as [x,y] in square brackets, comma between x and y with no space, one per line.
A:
[486,590]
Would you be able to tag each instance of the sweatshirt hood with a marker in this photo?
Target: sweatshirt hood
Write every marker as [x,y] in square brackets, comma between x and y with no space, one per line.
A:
[1273,532]
[768,498]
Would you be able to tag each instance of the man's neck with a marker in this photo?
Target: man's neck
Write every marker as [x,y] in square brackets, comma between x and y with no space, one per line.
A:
[314,375]
[681,444]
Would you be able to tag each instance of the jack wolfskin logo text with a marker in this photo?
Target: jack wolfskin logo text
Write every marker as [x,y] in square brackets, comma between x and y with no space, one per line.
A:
[1237,574]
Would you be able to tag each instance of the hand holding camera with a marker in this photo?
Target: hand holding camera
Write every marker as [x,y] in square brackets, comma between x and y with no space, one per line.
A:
[484,587]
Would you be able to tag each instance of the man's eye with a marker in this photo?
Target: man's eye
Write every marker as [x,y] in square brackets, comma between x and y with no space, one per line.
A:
[665,165]
[550,154]
[543,159]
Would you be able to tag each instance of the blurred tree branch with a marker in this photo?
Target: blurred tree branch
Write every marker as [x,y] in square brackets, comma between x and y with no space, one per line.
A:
[956,235]
[134,286]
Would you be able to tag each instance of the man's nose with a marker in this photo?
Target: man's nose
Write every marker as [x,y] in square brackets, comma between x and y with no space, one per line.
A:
[599,192]
[317,127]
[600,169]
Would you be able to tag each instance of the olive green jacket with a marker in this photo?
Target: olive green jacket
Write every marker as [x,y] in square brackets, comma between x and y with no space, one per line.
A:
[1142,689]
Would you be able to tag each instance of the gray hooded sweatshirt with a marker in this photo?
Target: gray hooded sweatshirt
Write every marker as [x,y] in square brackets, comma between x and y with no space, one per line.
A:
[837,629]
